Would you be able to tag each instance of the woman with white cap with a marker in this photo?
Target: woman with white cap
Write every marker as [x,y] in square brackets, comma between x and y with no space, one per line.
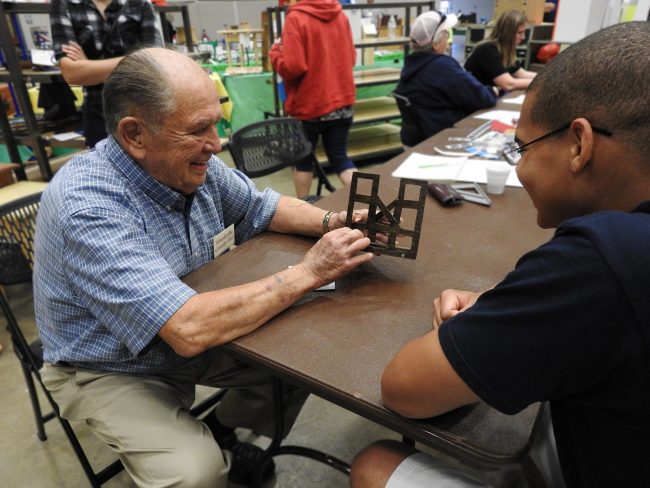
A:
[439,90]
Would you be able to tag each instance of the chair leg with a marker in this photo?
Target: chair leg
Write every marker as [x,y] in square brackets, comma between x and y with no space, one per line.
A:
[36,404]
[21,349]
[323,180]
[83,460]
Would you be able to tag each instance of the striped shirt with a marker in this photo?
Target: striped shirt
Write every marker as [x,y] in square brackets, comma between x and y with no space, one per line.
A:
[128,25]
[111,245]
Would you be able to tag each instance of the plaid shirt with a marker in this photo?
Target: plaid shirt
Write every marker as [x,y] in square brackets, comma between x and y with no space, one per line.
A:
[129,24]
[111,245]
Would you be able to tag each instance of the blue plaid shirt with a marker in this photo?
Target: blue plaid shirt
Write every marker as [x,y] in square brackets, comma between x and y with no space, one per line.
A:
[111,246]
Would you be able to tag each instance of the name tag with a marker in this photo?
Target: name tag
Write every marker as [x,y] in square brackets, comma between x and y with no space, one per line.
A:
[224,241]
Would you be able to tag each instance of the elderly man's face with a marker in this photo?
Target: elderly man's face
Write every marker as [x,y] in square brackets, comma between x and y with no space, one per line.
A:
[178,155]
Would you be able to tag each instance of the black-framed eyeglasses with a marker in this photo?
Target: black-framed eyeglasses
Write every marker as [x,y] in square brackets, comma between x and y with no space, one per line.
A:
[513,154]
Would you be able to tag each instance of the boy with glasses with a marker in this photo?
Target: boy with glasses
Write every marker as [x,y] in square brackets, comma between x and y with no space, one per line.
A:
[570,325]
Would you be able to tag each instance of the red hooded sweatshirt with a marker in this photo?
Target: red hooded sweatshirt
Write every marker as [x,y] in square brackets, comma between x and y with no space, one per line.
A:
[315,59]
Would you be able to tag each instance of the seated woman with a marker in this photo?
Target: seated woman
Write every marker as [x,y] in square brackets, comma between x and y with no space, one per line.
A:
[493,60]
[439,90]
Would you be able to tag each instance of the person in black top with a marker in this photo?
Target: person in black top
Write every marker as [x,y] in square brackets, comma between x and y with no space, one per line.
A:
[570,325]
[493,61]
[90,38]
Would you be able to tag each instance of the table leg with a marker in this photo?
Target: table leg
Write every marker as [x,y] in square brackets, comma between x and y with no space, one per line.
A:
[275,449]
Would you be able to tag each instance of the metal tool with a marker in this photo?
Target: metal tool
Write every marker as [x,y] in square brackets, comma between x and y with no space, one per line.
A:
[471,192]
[469,140]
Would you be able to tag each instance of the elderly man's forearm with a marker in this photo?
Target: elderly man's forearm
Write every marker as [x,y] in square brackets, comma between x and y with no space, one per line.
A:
[214,318]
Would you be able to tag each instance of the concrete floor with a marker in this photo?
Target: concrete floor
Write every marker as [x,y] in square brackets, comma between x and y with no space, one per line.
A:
[25,461]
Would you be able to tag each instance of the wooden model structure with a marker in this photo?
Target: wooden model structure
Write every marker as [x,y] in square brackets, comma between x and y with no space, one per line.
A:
[387,219]
[243,46]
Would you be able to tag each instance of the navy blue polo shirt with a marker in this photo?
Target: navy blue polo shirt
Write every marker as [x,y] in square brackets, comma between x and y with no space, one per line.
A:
[571,325]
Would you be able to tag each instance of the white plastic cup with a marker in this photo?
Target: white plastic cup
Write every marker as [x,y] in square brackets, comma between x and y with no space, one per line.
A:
[497,175]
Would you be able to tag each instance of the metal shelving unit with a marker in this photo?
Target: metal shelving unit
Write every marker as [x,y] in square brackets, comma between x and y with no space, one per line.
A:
[540,35]
[17,77]
[370,137]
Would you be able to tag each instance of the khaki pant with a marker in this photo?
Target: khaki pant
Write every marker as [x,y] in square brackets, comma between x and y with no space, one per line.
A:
[145,419]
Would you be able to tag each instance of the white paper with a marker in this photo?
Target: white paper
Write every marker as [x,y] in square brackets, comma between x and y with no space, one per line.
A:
[439,168]
[65,136]
[43,57]
[423,167]
[509,117]
[518,100]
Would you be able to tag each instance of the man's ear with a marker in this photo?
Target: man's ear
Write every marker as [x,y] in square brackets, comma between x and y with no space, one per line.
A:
[582,144]
[130,136]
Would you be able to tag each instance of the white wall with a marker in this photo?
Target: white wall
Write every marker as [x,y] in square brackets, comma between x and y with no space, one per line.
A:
[577,19]
[218,15]
[483,8]
[213,15]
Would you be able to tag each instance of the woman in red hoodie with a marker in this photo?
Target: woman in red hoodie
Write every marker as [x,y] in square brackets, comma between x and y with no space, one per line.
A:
[315,59]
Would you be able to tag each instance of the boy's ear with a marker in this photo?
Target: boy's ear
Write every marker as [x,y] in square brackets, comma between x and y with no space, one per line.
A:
[582,144]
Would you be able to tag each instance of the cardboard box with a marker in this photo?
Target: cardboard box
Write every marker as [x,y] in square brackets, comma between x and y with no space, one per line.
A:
[534,9]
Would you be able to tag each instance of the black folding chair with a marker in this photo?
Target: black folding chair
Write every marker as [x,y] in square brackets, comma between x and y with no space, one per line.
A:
[17,225]
[268,146]
[410,134]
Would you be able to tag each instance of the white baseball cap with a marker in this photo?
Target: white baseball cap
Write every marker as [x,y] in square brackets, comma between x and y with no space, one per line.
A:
[427,25]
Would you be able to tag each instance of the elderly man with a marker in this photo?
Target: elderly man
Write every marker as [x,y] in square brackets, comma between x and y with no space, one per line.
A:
[571,323]
[125,340]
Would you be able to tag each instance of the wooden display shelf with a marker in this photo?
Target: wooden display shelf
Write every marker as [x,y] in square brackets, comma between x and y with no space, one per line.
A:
[368,142]
[76,143]
[381,41]
[375,109]
[377,76]
[20,189]
[39,76]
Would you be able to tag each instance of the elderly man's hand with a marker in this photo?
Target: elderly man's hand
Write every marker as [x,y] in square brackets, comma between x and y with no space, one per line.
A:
[337,221]
[335,254]
[451,303]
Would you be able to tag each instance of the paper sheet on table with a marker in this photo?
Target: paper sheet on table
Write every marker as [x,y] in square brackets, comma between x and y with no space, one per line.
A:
[518,100]
[65,136]
[439,168]
[509,117]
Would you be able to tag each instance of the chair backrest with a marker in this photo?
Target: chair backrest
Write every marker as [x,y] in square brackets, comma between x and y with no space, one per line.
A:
[17,226]
[410,133]
[268,146]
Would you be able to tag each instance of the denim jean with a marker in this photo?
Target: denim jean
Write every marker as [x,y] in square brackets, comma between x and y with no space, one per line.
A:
[335,142]
[93,126]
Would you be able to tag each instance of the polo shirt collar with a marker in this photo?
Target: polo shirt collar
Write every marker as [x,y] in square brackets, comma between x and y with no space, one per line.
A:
[162,194]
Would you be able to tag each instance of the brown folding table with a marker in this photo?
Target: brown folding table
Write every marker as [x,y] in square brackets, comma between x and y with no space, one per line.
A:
[336,344]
